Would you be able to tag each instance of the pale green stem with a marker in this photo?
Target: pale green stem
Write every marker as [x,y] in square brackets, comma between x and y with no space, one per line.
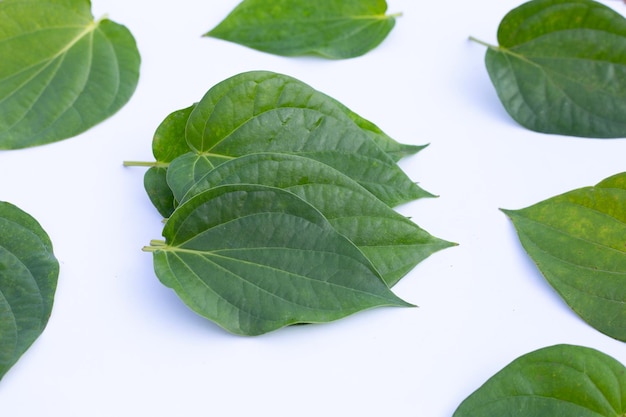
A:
[154,246]
[488,45]
[146,164]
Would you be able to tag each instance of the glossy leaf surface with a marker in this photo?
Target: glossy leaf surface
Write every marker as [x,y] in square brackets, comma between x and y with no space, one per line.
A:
[561,380]
[393,243]
[61,72]
[578,241]
[28,279]
[561,68]
[268,112]
[329,28]
[254,259]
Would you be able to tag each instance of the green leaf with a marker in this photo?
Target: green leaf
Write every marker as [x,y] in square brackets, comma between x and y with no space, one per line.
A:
[393,243]
[390,146]
[169,140]
[159,192]
[61,72]
[561,68]
[329,28]
[578,241]
[254,259]
[561,380]
[168,143]
[28,279]
[268,112]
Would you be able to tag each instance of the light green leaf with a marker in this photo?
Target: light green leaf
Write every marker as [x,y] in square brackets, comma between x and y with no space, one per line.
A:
[61,72]
[561,68]
[329,28]
[254,259]
[28,279]
[268,112]
[561,380]
[578,241]
[393,243]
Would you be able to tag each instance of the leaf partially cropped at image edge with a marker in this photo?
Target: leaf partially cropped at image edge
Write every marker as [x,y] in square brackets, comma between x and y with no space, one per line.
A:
[254,259]
[578,241]
[62,72]
[560,68]
[329,28]
[28,279]
[560,380]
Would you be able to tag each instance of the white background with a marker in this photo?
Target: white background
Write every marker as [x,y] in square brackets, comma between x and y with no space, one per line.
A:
[121,344]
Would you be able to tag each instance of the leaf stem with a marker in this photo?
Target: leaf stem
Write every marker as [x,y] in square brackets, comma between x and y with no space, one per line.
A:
[154,246]
[146,164]
[488,45]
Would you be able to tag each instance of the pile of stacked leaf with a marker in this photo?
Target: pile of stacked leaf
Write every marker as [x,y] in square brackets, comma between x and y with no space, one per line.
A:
[279,205]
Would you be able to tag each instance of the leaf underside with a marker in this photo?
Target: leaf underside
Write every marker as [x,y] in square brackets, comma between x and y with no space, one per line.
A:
[578,241]
[28,278]
[561,68]
[62,73]
[255,258]
[326,28]
[561,380]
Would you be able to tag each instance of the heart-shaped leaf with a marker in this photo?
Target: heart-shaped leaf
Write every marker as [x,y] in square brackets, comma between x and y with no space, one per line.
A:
[254,259]
[329,28]
[561,67]
[561,380]
[61,72]
[393,243]
[28,279]
[268,112]
[578,241]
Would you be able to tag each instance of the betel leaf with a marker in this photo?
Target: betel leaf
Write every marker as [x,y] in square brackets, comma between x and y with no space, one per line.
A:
[159,193]
[28,279]
[168,143]
[393,243]
[391,147]
[578,241]
[560,67]
[560,380]
[328,28]
[254,259]
[62,72]
[267,112]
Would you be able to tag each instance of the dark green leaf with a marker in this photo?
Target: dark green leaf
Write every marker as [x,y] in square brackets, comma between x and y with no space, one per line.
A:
[169,140]
[393,243]
[578,241]
[391,147]
[159,193]
[61,72]
[561,67]
[561,380]
[28,279]
[167,144]
[329,28]
[267,112]
[254,259]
